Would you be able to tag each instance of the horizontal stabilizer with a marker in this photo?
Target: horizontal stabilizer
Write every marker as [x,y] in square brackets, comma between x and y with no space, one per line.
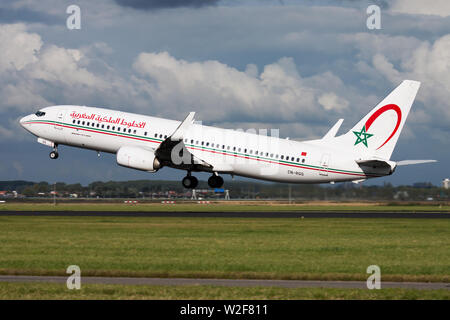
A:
[333,131]
[408,162]
[376,163]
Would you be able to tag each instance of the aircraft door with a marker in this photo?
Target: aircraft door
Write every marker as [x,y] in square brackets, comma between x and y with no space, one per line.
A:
[59,120]
[58,126]
[324,164]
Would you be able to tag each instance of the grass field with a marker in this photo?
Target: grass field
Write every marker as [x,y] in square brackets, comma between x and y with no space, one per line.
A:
[91,291]
[220,206]
[327,249]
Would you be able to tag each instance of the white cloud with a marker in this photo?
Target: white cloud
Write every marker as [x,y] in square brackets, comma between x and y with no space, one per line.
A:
[331,101]
[19,47]
[219,91]
[60,65]
[430,64]
[435,7]
[35,74]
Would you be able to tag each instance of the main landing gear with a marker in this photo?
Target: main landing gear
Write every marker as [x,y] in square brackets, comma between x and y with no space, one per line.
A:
[215,181]
[54,154]
[190,182]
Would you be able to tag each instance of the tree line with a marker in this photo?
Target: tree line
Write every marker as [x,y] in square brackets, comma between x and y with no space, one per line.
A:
[237,190]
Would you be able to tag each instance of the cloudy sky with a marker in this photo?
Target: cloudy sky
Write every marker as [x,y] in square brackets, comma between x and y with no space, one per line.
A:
[293,65]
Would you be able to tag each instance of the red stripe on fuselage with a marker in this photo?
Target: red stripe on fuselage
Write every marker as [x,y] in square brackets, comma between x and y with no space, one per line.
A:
[201,149]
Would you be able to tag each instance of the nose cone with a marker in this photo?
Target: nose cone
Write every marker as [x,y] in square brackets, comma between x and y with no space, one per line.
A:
[24,120]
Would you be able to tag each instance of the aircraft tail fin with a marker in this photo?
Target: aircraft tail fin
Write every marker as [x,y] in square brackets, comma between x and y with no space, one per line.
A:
[377,133]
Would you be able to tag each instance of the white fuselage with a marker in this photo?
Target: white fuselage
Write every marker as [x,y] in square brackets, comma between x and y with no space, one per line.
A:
[228,151]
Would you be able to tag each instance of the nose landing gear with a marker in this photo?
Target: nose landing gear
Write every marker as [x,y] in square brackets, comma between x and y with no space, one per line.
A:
[54,154]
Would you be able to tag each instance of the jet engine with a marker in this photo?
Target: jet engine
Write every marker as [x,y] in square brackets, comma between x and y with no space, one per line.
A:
[138,158]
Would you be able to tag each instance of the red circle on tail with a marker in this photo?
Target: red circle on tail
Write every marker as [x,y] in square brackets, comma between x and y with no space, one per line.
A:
[379,112]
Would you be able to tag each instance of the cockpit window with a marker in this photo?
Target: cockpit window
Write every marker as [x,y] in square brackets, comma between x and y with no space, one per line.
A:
[40,113]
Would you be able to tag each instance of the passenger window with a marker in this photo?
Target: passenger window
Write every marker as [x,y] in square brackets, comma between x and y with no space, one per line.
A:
[103,126]
[303,160]
[107,127]
[282,157]
[114,128]
[145,133]
[271,155]
[79,121]
[82,123]
[98,125]
[207,144]
[73,121]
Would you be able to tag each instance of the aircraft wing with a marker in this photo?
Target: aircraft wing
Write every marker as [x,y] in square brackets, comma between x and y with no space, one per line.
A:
[173,151]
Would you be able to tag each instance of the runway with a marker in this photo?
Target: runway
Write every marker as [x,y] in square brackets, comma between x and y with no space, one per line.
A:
[241,214]
[229,282]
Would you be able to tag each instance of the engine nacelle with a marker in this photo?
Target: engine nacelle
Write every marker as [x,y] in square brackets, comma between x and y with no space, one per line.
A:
[138,158]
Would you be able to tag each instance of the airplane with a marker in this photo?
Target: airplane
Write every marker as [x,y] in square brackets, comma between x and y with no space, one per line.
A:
[149,143]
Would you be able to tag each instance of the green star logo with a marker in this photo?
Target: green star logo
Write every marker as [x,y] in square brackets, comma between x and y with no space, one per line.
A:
[362,136]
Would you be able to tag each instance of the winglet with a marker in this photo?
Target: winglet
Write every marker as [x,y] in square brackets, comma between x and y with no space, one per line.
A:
[181,130]
[332,132]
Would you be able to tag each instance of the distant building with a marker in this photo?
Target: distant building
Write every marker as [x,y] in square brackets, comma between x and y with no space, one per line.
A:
[446,183]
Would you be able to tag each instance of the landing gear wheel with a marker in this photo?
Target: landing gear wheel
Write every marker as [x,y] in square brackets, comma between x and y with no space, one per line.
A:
[190,182]
[54,155]
[215,181]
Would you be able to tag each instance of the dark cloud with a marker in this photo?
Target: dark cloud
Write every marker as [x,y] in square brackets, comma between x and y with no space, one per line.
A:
[11,15]
[161,4]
